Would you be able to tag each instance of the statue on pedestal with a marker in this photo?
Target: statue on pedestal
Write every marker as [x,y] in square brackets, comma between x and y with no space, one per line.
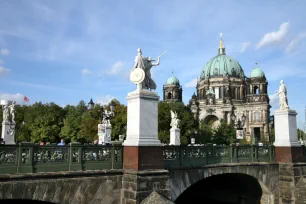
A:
[6,112]
[141,72]
[12,111]
[282,93]
[174,120]
[107,117]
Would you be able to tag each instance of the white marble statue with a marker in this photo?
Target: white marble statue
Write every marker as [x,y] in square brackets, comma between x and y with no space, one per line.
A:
[6,112]
[107,117]
[174,120]
[143,78]
[12,111]
[282,93]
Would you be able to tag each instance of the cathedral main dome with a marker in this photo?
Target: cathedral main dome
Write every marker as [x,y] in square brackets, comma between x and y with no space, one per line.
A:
[222,65]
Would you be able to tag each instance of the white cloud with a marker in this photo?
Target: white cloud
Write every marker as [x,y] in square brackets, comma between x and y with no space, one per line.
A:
[192,83]
[4,71]
[274,100]
[292,45]
[104,100]
[19,98]
[244,46]
[4,51]
[275,36]
[116,68]
[86,71]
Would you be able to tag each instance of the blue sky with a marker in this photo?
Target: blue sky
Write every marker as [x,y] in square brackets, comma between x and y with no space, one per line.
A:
[66,50]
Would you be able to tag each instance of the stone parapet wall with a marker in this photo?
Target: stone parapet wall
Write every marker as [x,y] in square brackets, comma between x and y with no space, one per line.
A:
[137,185]
[64,187]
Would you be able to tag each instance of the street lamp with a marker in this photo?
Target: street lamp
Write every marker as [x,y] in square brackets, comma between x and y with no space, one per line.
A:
[238,124]
[112,107]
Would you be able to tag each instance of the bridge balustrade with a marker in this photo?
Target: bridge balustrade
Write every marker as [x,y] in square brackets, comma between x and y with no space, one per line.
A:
[193,156]
[32,158]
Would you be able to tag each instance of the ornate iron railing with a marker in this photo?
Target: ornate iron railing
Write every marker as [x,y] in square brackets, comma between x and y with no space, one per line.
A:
[32,158]
[192,156]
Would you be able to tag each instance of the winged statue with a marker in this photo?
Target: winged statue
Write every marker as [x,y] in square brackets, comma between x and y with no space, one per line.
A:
[174,120]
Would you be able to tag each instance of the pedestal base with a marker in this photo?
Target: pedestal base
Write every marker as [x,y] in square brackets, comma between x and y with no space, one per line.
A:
[142,119]
[289,154]
[175,136]
[8,132]
[143,157]
[285,129]
[105,136]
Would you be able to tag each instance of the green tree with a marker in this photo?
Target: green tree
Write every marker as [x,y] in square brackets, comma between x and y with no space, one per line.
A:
[205,133]
[44,121]
[119,121]
[187,125]
[88,129]
[1,120]
[301,134]
[72,124]
[164,120]
[224,134]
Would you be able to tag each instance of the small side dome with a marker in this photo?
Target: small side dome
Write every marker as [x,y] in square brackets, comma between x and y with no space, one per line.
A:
[257,73]
[172,80]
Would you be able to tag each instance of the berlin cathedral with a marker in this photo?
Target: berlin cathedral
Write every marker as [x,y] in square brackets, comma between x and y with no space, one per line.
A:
[223,92]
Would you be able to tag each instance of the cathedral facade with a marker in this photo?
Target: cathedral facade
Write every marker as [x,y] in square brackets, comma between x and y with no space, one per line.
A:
[225,93]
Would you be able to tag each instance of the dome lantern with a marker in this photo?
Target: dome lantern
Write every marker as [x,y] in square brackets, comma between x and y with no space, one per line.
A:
[221,50]
[172,80]
[222,65]
[257,72]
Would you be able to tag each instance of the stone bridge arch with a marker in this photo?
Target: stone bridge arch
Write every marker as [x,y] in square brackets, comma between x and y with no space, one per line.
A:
[266,176]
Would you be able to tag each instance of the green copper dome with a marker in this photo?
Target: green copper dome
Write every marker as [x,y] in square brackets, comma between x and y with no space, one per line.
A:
[257,72]
[222,65]
[172,80]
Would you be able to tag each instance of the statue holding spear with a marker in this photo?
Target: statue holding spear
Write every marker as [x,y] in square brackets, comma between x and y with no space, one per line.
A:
[142,78]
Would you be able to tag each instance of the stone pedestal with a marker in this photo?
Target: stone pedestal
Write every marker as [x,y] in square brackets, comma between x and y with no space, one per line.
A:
[142,119]
[8,132]
[175,136]
[287,146]
[105,135]
[142,148]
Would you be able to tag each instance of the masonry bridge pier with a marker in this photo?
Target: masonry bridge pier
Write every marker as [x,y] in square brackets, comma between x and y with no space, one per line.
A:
[168,174]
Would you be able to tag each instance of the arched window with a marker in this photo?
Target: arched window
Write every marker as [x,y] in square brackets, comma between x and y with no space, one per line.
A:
[255,90]
[216,72]
[234,72]
[169,96]
[257,116]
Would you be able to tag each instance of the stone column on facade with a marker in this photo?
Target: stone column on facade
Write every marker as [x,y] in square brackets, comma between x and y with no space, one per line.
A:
[241,92]
[222,92]
[251,89]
